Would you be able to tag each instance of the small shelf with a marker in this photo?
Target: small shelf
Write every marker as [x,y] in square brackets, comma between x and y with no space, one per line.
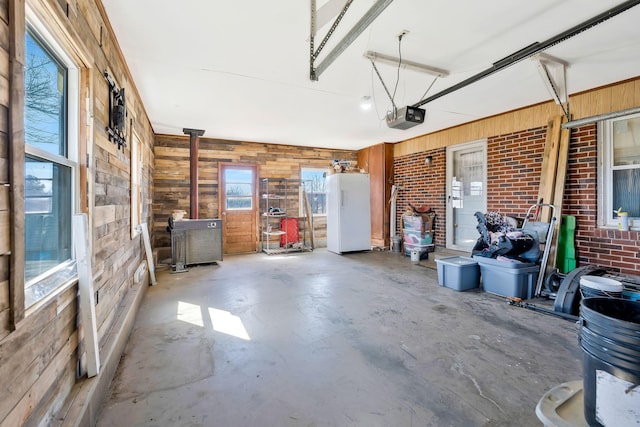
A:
[274,251]
[281,227]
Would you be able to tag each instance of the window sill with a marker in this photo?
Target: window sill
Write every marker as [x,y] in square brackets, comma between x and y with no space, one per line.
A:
[38,294]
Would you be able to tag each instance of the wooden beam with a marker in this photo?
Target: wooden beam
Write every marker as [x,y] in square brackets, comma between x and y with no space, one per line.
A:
[5,226]
[148,252]
[85,284]
[549,166]
[16,157]
[558,192]
[309,217]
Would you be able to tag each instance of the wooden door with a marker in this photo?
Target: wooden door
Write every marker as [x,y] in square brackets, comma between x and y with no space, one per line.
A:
[377,160]
[239,207]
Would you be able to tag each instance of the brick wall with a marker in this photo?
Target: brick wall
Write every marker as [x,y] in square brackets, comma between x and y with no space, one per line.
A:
[513,171]
[422,185]
[617,250]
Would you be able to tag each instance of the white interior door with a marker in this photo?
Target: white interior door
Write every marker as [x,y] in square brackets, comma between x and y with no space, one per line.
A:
[466,192]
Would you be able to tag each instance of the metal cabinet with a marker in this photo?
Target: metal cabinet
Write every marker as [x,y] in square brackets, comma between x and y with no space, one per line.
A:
[195,241]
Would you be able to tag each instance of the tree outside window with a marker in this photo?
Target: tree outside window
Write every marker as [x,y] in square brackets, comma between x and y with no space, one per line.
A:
[238,189]
[315,185]
[49,172]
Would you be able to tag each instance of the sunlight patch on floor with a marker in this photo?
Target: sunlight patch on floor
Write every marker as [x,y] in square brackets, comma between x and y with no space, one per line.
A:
[221,320]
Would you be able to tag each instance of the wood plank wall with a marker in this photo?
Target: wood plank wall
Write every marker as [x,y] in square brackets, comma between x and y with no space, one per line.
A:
[4,170]
[39,361]
[171,174]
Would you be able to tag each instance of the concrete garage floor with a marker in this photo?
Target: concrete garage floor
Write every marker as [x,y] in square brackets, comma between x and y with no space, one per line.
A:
[319,339]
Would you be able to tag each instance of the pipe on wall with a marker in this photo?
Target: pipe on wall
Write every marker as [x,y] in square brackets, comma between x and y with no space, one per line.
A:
[194,139]
[592,119]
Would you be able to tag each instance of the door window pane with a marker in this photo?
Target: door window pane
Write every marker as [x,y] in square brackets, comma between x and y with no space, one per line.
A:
[238,188]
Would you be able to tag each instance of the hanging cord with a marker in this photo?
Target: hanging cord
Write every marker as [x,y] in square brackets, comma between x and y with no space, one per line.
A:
[393,104]
[399,65]
[375,103]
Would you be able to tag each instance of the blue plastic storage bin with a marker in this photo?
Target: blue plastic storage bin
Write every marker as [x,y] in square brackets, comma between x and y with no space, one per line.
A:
[458,273]
[508,279]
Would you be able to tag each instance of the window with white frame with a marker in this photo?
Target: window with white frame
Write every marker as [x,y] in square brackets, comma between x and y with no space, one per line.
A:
[238,188]
[50,129]
[619,176]
[315,186]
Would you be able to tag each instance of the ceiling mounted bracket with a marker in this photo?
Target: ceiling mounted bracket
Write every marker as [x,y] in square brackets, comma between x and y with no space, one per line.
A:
[358,28]
[314,53]
[553,73]
[409,65]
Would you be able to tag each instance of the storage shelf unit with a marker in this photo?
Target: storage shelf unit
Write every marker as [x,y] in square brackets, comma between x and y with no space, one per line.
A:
[282,229]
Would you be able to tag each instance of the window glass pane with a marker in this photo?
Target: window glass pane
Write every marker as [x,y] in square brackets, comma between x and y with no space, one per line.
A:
[626,191]
[47,216]
[316,188]
[238,188]
[471,173]
[235,189]
[238,176]
[239,202]
[626,142]
[45,101]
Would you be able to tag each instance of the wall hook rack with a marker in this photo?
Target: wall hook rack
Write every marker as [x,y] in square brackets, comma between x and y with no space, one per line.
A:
[117,113]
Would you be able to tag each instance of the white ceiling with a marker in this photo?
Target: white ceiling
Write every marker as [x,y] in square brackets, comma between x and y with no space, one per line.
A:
[240,69]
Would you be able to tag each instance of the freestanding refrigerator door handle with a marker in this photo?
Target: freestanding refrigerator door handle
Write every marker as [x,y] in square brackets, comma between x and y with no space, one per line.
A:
[341,198]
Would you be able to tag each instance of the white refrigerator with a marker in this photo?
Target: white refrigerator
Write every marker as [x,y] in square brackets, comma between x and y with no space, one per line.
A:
[348,212]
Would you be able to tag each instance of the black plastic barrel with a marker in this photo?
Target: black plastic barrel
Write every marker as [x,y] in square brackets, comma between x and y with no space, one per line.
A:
[610,340]
[598,286]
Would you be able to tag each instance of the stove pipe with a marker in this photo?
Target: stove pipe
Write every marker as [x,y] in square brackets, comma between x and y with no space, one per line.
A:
[194,135]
